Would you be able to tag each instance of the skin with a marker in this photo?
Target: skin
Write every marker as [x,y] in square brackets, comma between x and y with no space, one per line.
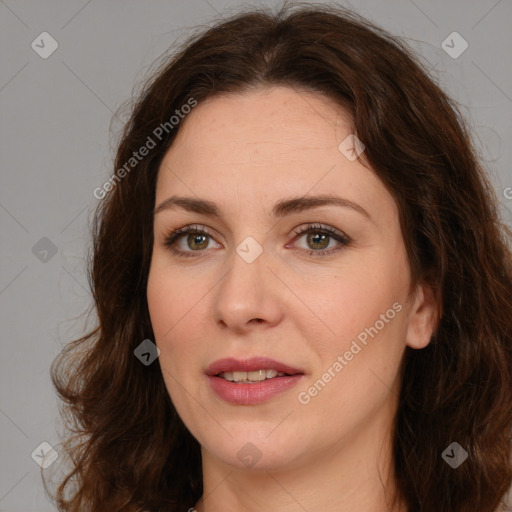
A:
[246,152]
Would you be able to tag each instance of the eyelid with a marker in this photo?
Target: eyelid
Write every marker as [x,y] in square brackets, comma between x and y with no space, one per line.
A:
[320,227]
[172,236]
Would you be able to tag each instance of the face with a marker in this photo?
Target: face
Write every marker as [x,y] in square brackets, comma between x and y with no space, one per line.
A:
[267,271]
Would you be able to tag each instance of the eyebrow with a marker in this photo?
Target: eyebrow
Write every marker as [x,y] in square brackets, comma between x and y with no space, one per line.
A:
[282,208]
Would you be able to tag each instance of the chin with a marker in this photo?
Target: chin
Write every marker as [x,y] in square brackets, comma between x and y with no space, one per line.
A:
[257,451]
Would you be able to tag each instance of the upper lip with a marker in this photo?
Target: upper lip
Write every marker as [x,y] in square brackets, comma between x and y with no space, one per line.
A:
[230,364]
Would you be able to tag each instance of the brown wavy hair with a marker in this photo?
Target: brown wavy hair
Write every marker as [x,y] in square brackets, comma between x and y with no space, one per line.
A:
[128,447]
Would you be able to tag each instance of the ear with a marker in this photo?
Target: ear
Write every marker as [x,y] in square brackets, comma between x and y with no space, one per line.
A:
[422,318]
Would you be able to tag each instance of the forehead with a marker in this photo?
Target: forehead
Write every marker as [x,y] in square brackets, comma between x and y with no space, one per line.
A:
[263,145]
[276,121]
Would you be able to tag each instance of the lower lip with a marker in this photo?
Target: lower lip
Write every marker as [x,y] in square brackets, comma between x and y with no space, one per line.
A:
[250,394]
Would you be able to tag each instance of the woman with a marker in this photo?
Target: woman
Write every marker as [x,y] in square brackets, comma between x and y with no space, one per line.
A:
[302,284]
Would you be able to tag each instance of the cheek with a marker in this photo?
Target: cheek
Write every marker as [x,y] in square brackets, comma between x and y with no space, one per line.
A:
[177,310]
[356,299]
[365,312]
[166,308]
[169,293]
[160,302]
[358,368]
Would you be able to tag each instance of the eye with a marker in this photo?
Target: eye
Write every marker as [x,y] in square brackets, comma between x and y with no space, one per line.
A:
[319,237]
[196,238]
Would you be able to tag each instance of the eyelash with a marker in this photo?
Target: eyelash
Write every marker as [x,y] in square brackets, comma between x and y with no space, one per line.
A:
[171,239]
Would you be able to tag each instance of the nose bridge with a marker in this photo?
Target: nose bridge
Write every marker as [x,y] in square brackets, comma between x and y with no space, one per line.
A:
[248,264]
[246,291]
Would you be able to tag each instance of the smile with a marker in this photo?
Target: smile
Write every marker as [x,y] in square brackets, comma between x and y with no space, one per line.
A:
[251,381]
[254,376]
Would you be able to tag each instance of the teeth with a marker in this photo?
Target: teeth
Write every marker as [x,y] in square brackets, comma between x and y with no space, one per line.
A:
[253,376]
[238,376]
[270,374]
[257,375]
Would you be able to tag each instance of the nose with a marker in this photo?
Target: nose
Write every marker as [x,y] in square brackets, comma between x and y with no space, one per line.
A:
[249,294]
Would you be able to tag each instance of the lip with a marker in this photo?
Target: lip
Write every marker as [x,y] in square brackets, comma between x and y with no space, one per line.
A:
[230,364]
[257,392]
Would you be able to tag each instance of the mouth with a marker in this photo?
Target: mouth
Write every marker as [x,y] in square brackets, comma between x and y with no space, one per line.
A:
[252,376]
[255,369]
[251,381]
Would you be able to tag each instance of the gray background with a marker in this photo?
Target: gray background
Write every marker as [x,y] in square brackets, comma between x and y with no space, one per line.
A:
[57,148]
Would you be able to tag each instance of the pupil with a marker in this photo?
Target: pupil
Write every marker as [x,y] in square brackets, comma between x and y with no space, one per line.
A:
[315,236]
[195,239]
